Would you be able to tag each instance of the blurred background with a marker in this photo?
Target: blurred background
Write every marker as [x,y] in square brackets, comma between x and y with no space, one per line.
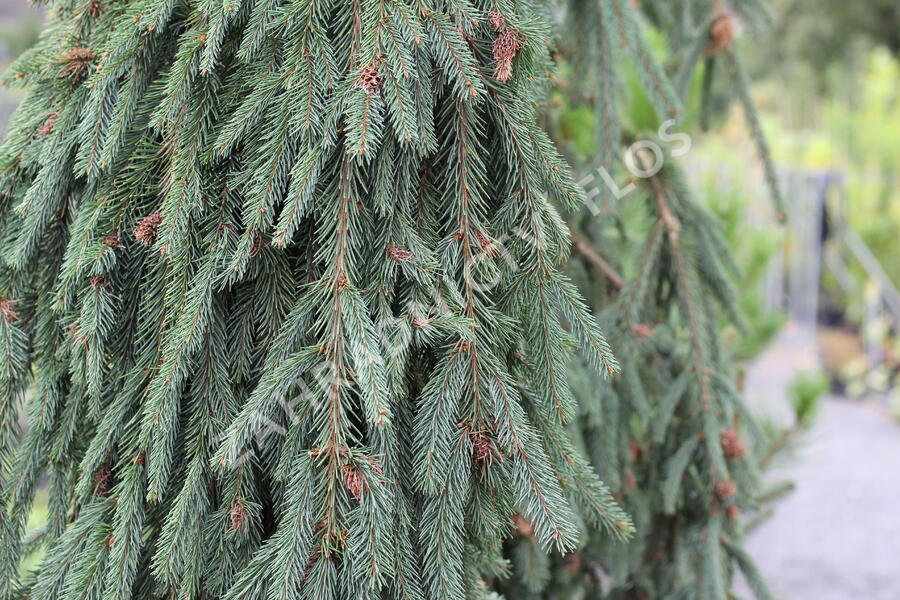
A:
[823,352]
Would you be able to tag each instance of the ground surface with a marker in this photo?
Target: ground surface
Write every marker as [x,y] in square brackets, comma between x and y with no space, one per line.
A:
[837,536]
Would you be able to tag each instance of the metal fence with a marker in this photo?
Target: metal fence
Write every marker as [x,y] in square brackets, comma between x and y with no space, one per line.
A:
[820,240]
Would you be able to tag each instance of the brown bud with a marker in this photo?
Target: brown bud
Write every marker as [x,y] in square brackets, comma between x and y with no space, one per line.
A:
[642,330]
[113,241]
[486,243]
[47,126]
[726,489]
[77,61]
[7,312]
[523,527]
[506,46]
[721,32]
[354,479]
[483,449]
[98,281]
[635,450]
[399,253]
[496,20]
[101,481]
[370,79]
[148,228]
[238,515]
[732,446]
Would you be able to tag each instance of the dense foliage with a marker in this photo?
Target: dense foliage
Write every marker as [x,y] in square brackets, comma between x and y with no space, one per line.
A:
[284,280]
[283,297]
[671,435]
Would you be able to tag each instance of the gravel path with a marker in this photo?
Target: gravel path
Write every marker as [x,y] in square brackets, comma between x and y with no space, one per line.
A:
[837,536]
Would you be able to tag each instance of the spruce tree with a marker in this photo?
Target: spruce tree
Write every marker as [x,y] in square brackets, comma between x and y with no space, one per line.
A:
[282,299]
[670,434]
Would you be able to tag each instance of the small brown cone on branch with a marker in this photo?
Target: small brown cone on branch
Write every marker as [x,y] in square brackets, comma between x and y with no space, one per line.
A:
[496,20]
[76,62]
[238,515]
[113,241]
[523,527]
[47,126]
[98,281]
[732,446]
[506,46]
[148,228]
[399,254]
[102,481]
[7,312]
[370,79]
[721,32]
[726,489]
[354,481]
[483,450]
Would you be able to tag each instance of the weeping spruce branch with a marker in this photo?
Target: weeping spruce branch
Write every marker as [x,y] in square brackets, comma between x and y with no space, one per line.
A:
[283,280]
[282,297]
[670,434]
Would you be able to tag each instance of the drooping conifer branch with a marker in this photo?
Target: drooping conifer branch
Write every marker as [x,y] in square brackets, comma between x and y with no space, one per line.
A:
[672,437]
[278,271]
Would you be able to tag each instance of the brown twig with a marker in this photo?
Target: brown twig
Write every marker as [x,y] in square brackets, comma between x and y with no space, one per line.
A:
[674,230]
[591,255]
